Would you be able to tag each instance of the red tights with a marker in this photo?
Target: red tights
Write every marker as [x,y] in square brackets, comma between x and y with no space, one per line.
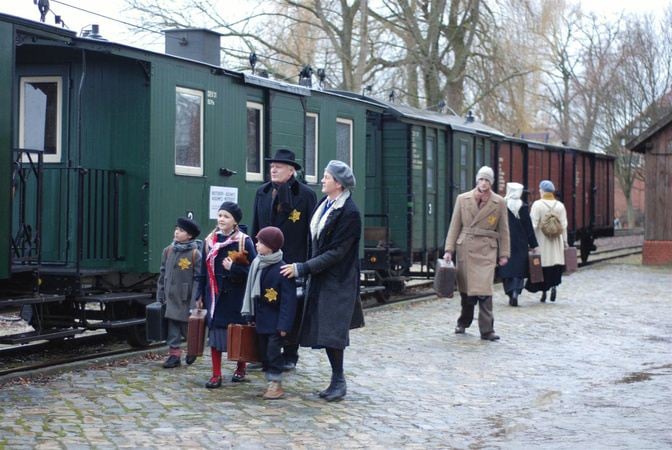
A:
[216,362]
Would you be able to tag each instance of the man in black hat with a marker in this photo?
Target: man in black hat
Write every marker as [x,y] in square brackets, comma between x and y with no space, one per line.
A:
[288,204]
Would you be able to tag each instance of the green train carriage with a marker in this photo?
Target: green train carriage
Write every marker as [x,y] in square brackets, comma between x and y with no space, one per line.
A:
[124,141]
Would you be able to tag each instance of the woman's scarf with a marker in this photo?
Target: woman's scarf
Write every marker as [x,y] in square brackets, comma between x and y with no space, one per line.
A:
[513,193]
[253,286]
[548,196]
[215,247]
[323,211]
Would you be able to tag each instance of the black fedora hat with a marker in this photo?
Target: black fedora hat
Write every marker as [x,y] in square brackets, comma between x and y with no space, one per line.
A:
[285,156]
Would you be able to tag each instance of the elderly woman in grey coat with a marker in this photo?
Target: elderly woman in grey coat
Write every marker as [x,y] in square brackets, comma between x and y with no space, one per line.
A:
[332,305]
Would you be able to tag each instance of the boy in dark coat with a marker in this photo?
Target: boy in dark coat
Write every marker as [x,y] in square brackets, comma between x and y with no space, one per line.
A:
[177,286]
[270,299]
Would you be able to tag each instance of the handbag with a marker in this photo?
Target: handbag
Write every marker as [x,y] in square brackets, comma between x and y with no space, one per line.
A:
[536,271]
[444,278]
[241,343]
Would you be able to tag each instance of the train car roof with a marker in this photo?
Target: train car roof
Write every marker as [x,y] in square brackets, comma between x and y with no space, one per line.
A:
[70,38]
[416,114]
[546,145]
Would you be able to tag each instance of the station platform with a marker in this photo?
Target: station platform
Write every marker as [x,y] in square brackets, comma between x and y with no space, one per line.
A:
[591,370]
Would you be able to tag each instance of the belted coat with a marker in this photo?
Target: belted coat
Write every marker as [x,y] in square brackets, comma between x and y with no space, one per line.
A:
[478,237]
[291,211]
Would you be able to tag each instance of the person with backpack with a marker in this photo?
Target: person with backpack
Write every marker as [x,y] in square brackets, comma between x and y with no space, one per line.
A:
[549,220]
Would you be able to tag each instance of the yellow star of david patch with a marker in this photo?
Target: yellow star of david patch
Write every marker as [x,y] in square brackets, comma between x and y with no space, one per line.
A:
[492,219]
[295,216]
[271,295]
[184,263]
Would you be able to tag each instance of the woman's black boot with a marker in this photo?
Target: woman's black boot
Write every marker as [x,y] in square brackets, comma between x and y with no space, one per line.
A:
[553,294]
[543,297]
[330,388]
[338,388]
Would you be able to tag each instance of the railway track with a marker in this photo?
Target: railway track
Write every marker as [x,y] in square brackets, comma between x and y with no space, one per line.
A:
[97,347]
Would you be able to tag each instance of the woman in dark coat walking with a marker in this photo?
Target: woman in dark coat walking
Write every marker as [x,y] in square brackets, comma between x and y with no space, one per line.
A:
[332,304]
[522,238]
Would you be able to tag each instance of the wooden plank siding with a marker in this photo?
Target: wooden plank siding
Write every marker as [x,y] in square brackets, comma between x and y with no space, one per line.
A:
[658,166]
[6,83]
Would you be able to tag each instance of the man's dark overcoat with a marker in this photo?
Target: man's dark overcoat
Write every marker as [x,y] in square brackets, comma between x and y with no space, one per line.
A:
[522,237]
[332,305]
[291,212]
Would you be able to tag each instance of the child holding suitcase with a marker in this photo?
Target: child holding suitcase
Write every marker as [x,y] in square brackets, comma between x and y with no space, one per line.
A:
[177,286]
[270,300]
[227,254]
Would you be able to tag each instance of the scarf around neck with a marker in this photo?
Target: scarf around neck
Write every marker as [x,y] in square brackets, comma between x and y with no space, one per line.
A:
[253,286]
[482,197]
[324,210]
[215,247]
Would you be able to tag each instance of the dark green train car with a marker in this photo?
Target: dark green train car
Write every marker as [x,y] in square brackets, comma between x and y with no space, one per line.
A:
[106,145]
[417,163]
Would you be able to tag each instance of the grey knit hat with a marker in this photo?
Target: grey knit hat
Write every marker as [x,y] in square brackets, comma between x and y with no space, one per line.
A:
[547,186]
[341,173]
[486,173]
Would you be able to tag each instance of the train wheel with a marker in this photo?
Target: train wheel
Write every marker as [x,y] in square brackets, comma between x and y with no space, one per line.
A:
[136,336]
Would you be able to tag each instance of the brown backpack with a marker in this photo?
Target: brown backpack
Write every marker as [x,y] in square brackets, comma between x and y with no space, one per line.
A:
[550,224]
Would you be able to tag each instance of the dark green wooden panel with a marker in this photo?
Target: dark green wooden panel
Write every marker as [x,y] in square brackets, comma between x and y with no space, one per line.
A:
[418,187]
[6,67]
[395,167]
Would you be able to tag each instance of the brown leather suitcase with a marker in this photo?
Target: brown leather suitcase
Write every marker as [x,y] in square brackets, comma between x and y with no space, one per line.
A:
[155,322]
[196,333]
[571,263]
[241,343]
[444,278]
[536,271]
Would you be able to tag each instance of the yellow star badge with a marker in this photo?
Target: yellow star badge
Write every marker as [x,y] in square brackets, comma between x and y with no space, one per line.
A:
[492,220]
[295,216]
[184,263]
[271,295]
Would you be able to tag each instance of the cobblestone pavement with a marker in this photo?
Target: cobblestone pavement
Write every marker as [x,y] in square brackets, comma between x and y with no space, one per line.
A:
[592,370]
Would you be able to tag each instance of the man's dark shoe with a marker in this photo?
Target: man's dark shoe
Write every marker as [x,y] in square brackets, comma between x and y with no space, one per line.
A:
[490,337]
[459,330]
[172,362]
[289,365]
[553,294]
[214,383]
[190,359]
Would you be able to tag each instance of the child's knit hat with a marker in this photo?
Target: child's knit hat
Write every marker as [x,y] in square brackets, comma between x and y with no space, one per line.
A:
[271,237]
[189,226]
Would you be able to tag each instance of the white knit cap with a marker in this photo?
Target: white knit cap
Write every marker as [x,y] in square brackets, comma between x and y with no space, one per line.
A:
[486,173]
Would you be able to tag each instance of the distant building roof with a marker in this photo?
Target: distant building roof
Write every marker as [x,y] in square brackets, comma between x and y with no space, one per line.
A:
[639,143]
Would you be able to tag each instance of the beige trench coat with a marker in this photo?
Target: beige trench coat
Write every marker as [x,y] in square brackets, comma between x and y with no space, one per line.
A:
[552,249]
[479,237]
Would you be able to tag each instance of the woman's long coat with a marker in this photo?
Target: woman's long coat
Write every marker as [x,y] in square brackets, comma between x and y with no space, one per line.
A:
[521,235]
[552,249]
[231,284]
[332,304]
[478,236]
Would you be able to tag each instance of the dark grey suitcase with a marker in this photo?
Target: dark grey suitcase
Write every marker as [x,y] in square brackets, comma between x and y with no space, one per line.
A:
[156,326]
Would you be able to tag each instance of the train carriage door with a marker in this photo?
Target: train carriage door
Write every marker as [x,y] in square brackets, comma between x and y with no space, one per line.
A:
[41,107]
[431,207]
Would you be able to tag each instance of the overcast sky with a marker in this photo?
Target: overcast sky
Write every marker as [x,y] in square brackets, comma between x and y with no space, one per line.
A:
[77,20]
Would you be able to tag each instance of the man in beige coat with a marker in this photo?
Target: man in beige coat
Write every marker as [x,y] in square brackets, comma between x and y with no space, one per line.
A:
[479,234]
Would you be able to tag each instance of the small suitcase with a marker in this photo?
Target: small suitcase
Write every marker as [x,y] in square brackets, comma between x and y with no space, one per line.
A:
[444,278]
[571,263]
[536,271]
[155,325]
[241,343]
[196,333]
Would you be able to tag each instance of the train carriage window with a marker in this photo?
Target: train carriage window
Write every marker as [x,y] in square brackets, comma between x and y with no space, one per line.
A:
[255,142]
[431,166]
[344,140]
[40,116]
[312,139]
[188,132]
